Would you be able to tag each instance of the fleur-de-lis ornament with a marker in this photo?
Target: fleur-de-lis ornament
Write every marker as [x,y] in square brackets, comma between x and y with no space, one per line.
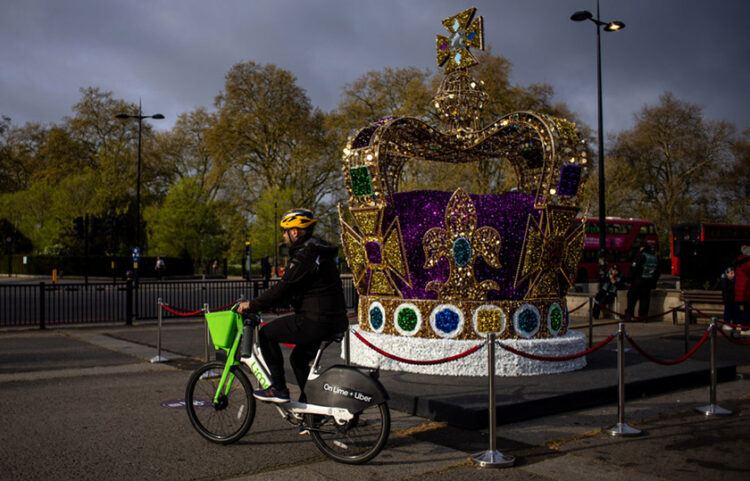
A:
[461,243]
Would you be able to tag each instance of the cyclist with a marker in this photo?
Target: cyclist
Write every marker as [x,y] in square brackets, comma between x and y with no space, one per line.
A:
[311,284]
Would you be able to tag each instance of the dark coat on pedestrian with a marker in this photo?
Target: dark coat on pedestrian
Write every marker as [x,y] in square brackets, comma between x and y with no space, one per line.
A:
[742,279]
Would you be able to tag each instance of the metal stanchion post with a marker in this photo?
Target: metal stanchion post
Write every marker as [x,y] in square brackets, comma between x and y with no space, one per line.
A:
[688,316]
[205,329]
[492,458]
[621,429]
[712,409]
[159,357]
[591,321]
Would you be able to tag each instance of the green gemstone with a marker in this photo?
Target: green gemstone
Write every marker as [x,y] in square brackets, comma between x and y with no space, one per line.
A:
[556,318]
[407,319]
[361,181]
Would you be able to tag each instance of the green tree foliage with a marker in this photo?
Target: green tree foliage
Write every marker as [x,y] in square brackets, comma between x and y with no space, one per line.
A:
[264,228]
[184,153]
[267,133]
[186,224]
[85,165]
[267,136]
[736,184]
[667,167]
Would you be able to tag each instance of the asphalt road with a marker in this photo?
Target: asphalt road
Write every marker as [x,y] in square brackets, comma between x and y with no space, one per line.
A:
[85,403]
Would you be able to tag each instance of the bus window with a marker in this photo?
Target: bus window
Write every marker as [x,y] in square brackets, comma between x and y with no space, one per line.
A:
[592,228]
[618,229]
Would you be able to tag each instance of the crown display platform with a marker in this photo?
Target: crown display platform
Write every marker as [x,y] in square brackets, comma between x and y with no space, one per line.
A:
[437,271]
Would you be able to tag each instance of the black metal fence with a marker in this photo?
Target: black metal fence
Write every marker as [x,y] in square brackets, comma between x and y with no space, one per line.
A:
[44,304]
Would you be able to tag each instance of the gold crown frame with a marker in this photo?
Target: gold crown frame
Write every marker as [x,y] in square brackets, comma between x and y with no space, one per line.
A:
[456,265]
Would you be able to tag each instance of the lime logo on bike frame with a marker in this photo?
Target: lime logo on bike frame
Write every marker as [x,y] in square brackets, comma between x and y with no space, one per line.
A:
[259,375]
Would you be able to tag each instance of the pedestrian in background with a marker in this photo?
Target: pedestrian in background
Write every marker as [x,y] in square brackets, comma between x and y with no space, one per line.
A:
[726,282]
[160,267]
[643,276]
[608,292]
[742,289]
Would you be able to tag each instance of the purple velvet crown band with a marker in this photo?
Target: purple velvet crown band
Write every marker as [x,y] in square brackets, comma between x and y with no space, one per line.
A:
[419,211]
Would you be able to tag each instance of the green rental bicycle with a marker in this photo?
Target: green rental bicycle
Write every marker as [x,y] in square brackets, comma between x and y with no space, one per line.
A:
[346,409]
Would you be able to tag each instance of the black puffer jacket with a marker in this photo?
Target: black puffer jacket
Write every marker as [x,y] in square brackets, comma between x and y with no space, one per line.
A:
[310,284]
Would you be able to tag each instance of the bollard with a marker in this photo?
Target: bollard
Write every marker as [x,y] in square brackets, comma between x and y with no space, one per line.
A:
[205,330]
[492,458]
[621,429]
[159,357]
[712,409]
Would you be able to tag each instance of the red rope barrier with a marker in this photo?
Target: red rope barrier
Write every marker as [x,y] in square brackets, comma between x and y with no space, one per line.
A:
[412,361]
[576,308]
[671,361]
[224,308]
[638,318]
[736,326]
[184,314]
[557,358]
[701,312]
[181,309]
[734,341]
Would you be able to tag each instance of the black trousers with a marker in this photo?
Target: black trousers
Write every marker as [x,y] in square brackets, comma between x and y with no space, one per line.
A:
[639,293]
[604,298]
[294,329]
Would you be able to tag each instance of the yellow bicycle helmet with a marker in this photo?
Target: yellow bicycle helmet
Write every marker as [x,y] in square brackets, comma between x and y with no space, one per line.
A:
[299,218]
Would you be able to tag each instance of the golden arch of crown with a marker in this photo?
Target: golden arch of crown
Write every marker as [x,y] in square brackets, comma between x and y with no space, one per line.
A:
[454,265]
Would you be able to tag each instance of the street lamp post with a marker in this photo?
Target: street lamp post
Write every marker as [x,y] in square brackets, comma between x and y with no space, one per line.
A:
[140,118]
[581,16]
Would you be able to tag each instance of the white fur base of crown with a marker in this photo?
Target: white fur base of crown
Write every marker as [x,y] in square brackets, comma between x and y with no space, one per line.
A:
[475,364]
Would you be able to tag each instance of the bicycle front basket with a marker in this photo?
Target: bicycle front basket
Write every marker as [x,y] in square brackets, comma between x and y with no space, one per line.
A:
[223,328]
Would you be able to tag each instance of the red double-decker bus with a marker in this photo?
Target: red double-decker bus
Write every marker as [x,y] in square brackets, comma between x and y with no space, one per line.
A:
[623,238]
[700,251]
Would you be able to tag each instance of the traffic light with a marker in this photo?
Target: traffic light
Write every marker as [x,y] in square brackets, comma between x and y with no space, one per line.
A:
[79,228]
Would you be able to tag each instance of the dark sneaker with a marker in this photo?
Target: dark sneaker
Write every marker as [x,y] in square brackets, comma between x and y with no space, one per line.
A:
[272,395]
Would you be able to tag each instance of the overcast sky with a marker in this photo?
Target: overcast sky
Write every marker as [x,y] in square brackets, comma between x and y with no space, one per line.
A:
[174,54]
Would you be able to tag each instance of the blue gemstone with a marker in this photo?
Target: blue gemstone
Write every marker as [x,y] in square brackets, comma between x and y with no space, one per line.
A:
[457,58]
[376,318]
[528,321]
[461,251]
[456,25]
[446,320]
[471,35]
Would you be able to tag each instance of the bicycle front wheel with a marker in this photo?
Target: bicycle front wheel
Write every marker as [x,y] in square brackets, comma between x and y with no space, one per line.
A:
[355,442]
[228,419]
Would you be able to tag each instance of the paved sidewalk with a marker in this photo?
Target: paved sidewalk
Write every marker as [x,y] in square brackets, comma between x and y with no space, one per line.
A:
[551,424]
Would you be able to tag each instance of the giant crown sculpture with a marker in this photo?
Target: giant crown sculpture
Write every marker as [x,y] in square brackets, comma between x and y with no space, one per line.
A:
[453,265]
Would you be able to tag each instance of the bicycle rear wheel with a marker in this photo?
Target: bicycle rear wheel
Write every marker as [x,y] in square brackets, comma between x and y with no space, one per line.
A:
[355,442]
[227,420]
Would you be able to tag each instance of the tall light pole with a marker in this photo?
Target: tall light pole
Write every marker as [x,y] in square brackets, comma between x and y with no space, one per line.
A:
[581,16]
[140,118]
